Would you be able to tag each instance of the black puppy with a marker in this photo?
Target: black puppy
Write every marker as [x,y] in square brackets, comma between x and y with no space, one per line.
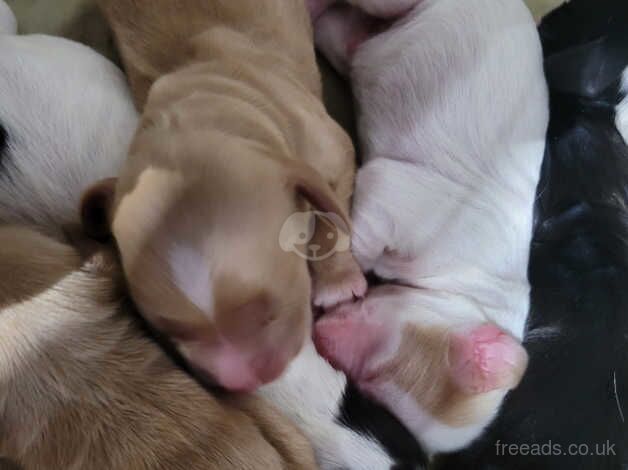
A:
[571,409]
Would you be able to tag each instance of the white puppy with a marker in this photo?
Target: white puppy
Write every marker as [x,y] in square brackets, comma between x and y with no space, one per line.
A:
[68,117]
[66,120]
[453,111]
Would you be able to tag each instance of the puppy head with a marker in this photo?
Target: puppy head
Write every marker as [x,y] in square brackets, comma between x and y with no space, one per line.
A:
[444,382]
[201,251]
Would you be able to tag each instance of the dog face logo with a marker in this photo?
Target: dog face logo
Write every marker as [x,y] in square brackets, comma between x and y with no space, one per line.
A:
[298,230]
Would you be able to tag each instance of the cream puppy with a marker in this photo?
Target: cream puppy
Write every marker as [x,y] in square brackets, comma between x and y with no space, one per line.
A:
[234,140]
[49,153]
[453,112]
[83,387]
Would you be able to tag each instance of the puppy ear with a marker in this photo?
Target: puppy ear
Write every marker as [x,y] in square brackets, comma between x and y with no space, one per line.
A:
[311,185]
[98,258]
[96,207]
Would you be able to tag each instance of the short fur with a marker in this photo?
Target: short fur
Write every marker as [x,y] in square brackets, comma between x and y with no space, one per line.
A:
[82,386]
[44,93]
[452,118]
[234,140]
[311,393]
[576,389]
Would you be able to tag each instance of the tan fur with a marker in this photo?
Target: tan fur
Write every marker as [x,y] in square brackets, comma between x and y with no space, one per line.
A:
[234,139]
[429,383]
[81,386]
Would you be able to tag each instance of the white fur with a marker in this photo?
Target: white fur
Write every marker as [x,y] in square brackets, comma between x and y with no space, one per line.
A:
[69,118]
[191,276]
[310,392]
[453,114]
[434,434]
[8,24]
[621,117]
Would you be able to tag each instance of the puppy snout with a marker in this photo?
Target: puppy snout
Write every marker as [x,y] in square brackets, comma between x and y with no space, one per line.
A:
[239,368]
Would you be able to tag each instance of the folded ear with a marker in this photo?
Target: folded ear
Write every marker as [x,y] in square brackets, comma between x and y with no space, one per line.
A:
[311,185]
[96,208]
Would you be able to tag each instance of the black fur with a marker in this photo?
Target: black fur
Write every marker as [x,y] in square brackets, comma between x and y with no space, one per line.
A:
[576,388]
[364,416]
[584,43]
[4,145]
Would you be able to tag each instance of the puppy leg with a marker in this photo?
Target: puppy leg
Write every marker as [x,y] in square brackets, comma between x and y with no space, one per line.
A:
[336,275]
[373,218]
[337,279]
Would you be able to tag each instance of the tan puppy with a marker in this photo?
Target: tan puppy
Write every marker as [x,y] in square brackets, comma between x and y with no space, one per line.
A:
[82,387]
[233,144]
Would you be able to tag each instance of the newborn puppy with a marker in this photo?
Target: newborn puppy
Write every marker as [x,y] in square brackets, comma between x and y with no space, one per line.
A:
[83,387]
[574,391]
[81,384]
[452,118]
[48,84]
[311,393]
[234,140]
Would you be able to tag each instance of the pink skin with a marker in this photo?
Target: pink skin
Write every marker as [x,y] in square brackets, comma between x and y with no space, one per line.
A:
[317,7]
[231,361]
[356,338]
[233,368]
[484,358]
[341,27]
[348,339]
[383,9]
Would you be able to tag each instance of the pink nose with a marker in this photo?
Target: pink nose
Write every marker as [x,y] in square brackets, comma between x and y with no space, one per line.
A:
[237,369]
[486,358]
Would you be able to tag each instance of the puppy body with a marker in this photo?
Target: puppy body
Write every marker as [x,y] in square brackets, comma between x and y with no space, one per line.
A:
[310,393]
[452,118]
[575,388]
[82,386]
[234,140]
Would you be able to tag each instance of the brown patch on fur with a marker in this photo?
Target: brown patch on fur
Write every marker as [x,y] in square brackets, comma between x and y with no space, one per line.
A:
[81,386]
[420,368]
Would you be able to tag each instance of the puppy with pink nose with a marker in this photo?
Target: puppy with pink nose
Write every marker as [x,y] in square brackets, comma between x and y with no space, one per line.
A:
[453,111]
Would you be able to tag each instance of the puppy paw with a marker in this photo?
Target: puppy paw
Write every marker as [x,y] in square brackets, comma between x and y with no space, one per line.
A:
[338,281]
